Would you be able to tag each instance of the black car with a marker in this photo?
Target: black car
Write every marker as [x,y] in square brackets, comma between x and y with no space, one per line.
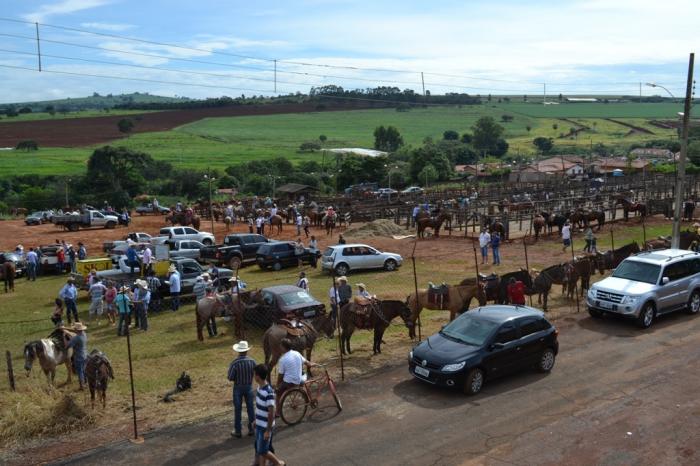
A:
[282,301]
[20,264]
[280,255]
[485,343]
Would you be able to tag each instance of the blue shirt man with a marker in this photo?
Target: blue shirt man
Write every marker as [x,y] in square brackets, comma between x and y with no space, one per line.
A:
[69,293]
[122,302]
[79,345]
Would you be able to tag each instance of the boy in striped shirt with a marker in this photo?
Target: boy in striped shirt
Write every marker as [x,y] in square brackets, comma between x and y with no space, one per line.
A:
[264,418]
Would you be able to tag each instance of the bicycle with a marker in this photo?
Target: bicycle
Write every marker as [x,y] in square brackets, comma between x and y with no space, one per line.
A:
[296,401]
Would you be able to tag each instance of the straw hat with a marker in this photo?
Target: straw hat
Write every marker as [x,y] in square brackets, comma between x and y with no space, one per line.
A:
[200,279]
[78,326]
[143,284]
[360,285]
[342,278]
[71,279]
[241,347]
[205,275]
[172,269]
[124,289]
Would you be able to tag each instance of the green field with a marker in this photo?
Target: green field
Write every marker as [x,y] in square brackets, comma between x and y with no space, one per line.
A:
[221,142]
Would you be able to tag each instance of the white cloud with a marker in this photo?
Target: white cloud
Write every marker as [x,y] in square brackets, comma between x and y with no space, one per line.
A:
[63,7]
[108,26]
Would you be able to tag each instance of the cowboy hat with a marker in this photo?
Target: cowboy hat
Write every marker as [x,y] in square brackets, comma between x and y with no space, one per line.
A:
[124,289]
[205,275]
[360,285]
[233,279]
[342,278]
[71,279]
[241,347]
[143,284]
[172,269]
[200,279]
[78,326]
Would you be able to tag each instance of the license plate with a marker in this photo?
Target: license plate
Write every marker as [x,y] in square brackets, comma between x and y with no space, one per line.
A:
[604,304]
[422,372]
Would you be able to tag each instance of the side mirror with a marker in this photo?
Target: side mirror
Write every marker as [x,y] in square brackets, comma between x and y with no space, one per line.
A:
[495,346]
[665,280]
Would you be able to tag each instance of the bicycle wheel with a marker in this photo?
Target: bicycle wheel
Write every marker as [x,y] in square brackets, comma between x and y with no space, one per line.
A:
[336,398]
[293,406]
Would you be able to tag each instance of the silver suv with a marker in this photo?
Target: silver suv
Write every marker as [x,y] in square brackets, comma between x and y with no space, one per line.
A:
[647,285]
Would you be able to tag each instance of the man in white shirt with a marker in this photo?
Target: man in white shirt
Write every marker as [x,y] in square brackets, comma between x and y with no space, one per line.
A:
[566,235]
[484,241]
[146,259]
[290,368]
[335,299]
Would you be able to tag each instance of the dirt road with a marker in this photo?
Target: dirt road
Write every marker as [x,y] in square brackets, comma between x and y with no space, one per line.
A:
[617,395]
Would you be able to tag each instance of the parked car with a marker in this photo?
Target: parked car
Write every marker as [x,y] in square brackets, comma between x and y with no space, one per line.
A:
[238,249]
[344,258]
[203,237]
[277,302]
[149,209]
[185,248]
[413,190]
[20,263]
[483,344]
[49,259]
[279,255]
[87,219]
[647,285]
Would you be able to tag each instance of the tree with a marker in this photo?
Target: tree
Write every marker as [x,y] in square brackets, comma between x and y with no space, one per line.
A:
[322,138]
[694,152]
[450,135]
[27,145]
[309,146]
[486,133]
[115,173]
[489,98]
[561,97]
[50,109]
[501,148]
[525,98]
[466,138]
[428,175]
[25,110]
[555,126]
[430,154]
[387,139]
[506,118]
[528,128]
[125,125]
[544,145]
[11,112]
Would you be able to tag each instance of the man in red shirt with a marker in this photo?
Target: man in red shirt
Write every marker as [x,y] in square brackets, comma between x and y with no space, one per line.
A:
[61,258]
[516,292]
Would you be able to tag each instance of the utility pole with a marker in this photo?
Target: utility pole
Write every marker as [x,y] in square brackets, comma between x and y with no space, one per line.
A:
[38,45]
[275,76]
[675,241]
[544,93]
[422,80]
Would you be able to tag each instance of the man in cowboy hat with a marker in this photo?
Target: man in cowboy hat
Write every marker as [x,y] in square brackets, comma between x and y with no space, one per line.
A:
[141,298]
[240,372]
[344,290]
[174,283]
[123,303]
[79,345]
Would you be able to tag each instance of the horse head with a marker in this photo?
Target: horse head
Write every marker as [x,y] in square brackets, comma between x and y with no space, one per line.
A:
[324,324]
[31,352]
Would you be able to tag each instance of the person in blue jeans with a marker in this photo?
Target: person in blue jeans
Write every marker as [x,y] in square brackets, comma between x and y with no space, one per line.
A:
[79,345]
[240,372]
[496,248]
[69,294]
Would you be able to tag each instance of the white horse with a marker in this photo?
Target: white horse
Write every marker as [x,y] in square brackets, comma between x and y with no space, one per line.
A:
[50,355]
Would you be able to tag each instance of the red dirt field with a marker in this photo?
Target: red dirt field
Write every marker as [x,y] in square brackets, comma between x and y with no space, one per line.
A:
[72,132]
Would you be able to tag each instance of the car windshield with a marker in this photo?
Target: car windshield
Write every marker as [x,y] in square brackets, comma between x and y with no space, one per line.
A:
[297,297]
[469,330]
[328,252]
[638,271]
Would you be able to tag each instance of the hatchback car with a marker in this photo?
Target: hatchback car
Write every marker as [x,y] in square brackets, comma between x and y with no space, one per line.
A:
[344,258]
[283,301]
[485,343]
[648,285]
[412,190]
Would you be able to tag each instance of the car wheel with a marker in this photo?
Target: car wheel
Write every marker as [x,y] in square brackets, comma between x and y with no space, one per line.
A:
[474,381]
[646,317]
[207,242]
[110,225]
[277,266]
[390,265]
[546,360]
[694,302]
[234,263]
[341,269]
[595,313]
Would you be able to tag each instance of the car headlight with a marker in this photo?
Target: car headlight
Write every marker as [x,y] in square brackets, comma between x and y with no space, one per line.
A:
[629,299]
[591,293]
[453,367]
[410,354]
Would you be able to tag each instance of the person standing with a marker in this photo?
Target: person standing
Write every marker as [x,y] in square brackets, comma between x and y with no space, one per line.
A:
[69,294]
[132,259]
[154,288]
[82,252]
[496,247]
[174,283]
[264,418]
[259,224]
[344,291]
[147,261]
[566,235]
[588,235]
[484,241]
[61,260]
[240,372]
[299,251]
[516,292]
[72,259]
[299,221]
[341,239]
[110,296]
[97,292]
[414,215]
[57,314]
[141,299]
[79,345]
[32,264]
[335,300]
[303,282]
[306,224]
[123,302]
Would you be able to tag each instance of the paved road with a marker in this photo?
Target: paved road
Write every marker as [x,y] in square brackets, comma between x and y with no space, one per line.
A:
[617,396]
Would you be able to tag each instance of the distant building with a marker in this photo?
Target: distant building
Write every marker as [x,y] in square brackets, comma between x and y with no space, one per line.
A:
[543,169]
[293,190]
[577,100]
[651,153]
[606,165]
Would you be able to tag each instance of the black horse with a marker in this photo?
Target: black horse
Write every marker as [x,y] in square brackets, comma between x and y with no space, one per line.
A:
[611,259]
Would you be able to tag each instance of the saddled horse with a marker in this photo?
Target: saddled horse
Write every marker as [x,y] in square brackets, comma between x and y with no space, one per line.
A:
[226,303]
[434,223]
[8,271]
[629,206]
[184,219]
[495,288]
[608,260]
[51,353]
[459,298]
[303,337]
[329,222]
[554,220]
[98,371]
[378,317]
[276,222]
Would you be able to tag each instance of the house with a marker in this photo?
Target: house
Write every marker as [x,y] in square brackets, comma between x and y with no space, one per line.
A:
[293,191]
[652,153]
[479,170]
[543,169]
[606,165]
[230,192]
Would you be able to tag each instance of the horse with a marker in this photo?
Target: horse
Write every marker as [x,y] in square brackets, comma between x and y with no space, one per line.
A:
[211,306]
[538,224]
[459,299]
[181,218]
[629,206]
[98,371]
[585,267]
[303,338]
[557,220]
[227,221]
[611,259]
[435,224]
[51,353]
[657,243]
[8,271]
[329,221]
[542,282]
[381,313]
[276,221]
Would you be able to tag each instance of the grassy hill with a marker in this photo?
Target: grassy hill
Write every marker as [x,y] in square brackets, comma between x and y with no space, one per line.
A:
[95,102]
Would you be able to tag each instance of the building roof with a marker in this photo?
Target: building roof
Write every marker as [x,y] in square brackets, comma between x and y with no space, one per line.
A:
[652,152]
[611,163]
[553,165]
[293,188]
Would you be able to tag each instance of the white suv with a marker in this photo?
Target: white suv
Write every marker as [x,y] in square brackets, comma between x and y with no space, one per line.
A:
[647,285]
[343,258]
[188,233]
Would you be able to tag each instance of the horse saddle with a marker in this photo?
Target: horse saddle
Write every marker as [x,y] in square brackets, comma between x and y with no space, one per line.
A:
[362,301]
[294,328]
[438,295]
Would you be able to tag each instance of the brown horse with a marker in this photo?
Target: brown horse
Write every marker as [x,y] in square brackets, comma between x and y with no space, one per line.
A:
[303,339]
[381,313]
[435,224]
[629,206]
[276,221]
[329,222]
[181,218]
[459,299]
[538,224]
[221,304]
[98,371]
[51,353]
[8,271]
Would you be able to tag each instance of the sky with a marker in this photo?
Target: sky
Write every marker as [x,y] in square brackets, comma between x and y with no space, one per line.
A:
[229,47]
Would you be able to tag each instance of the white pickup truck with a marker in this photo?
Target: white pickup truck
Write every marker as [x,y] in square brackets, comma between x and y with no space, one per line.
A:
[188,233]
[86,219]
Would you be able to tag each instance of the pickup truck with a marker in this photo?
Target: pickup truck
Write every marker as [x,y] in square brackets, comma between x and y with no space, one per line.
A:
[185,248]
[203,237]
[87,219]
[137,237]
[238,249]
[189,271]
[150,209]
